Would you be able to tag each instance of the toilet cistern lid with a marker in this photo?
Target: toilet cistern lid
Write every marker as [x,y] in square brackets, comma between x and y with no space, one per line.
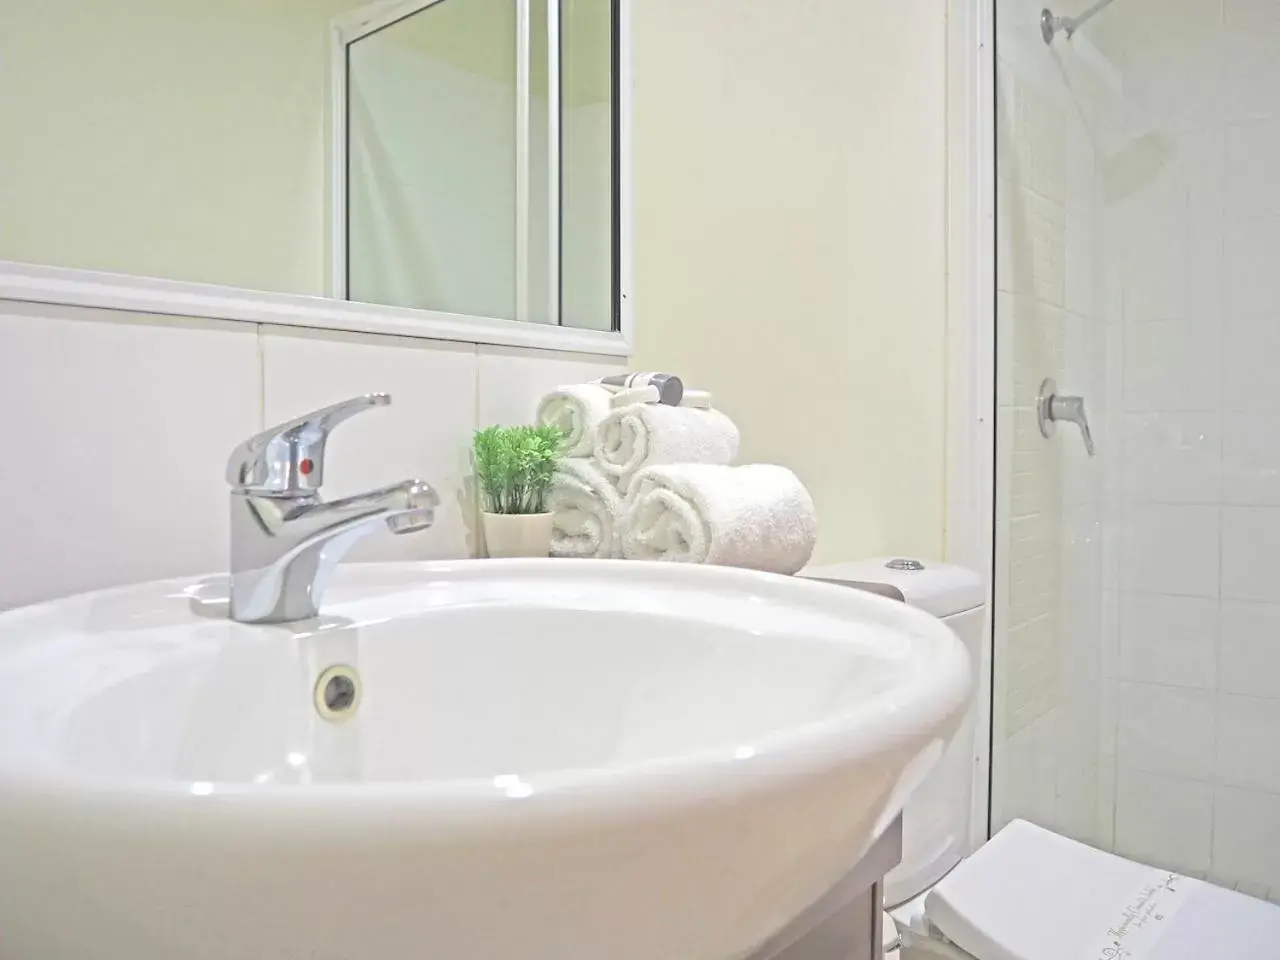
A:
[941,589]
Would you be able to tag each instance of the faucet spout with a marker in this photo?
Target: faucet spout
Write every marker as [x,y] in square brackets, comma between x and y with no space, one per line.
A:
[313,516]
[284,549]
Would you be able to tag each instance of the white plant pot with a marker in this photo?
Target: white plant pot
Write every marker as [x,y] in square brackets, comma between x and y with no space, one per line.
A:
[517,534]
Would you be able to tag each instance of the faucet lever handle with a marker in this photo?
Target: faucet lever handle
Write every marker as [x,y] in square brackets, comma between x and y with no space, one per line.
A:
[1052,407]
[288,459]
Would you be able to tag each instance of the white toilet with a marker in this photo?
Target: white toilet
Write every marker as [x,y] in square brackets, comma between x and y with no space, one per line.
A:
[1029,894]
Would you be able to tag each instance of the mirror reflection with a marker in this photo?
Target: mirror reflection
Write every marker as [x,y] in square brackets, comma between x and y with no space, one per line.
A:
[454,156]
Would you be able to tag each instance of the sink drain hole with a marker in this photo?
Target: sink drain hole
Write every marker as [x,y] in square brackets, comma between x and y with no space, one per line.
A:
[337,693]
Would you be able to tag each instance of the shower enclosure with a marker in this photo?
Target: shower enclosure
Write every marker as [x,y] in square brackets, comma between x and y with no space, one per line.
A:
[1136,657]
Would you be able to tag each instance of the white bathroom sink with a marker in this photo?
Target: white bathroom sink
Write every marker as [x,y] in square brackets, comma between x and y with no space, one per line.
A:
[560,760]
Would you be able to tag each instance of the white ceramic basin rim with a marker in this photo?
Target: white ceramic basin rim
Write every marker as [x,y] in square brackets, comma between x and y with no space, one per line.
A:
[481,681]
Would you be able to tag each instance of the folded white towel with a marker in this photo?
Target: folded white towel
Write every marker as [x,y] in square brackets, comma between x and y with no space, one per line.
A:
[652,433]
[577,410]
[758,516]
[585,511]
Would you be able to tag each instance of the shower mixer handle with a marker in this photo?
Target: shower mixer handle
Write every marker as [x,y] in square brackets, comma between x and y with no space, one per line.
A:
[1052,406]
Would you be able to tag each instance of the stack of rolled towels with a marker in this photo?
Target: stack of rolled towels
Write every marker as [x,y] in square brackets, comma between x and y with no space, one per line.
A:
[646,480]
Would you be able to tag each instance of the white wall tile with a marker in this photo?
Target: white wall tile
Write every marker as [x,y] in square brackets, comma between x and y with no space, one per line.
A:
[120,426]
[1246,62]
[425,433]
[1250,657]
[1033,125]
[1172,365]
[1026,780]
[1206,271]
[1251,458]
[1250,553]
[1171,457]
[1032,689]
[1082,609]
[1076,808]
[1083,361]
[1249,742]
[1110,652]
[1038,335]
[1164,821]
[1081,172]
[1081,256]
[1077,746]
[1170,549]
[1251,14]
[1035,257]
[1246,837]
[1156,264]
[1113,381]
[1250,344]
[1108,717]
[1172,230]
[1253,157]
[1080,647]
[1108,276]
[1251,246]
[1166,730]
[1113,512]
[1169,640]
[1105,811]
[513,380]
[1083,374]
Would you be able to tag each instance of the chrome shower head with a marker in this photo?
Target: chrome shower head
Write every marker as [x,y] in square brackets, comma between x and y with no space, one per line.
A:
[1051,25]
[1048,25]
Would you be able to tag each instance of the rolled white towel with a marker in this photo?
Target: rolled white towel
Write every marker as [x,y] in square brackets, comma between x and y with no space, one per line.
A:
[648,434]
[758,516]
[577,410]
[585,511]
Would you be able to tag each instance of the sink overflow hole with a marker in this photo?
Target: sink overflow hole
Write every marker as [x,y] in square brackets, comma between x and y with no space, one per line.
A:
[337,692]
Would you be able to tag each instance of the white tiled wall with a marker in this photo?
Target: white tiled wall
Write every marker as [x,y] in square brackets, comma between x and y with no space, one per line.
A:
[1198,499]
[1185,243]
[117,430]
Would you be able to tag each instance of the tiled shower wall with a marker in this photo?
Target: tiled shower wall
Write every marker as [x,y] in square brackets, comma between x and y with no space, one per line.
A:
[1192,639]
[1167,241]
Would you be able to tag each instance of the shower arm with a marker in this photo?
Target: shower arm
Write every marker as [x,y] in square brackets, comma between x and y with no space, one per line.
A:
[1050,25]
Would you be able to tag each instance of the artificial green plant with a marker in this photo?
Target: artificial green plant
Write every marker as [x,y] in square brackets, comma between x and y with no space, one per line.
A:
[515,466]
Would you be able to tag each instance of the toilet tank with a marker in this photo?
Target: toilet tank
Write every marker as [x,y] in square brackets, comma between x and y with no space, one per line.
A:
[935,822]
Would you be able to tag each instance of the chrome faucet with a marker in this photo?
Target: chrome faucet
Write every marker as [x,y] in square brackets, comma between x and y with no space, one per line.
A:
[286,540]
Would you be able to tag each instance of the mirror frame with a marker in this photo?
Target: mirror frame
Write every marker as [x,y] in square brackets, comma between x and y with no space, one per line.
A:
[72,286]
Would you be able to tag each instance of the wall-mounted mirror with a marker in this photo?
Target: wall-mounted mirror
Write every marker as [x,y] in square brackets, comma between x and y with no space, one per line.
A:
[479,150]
[459,157]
